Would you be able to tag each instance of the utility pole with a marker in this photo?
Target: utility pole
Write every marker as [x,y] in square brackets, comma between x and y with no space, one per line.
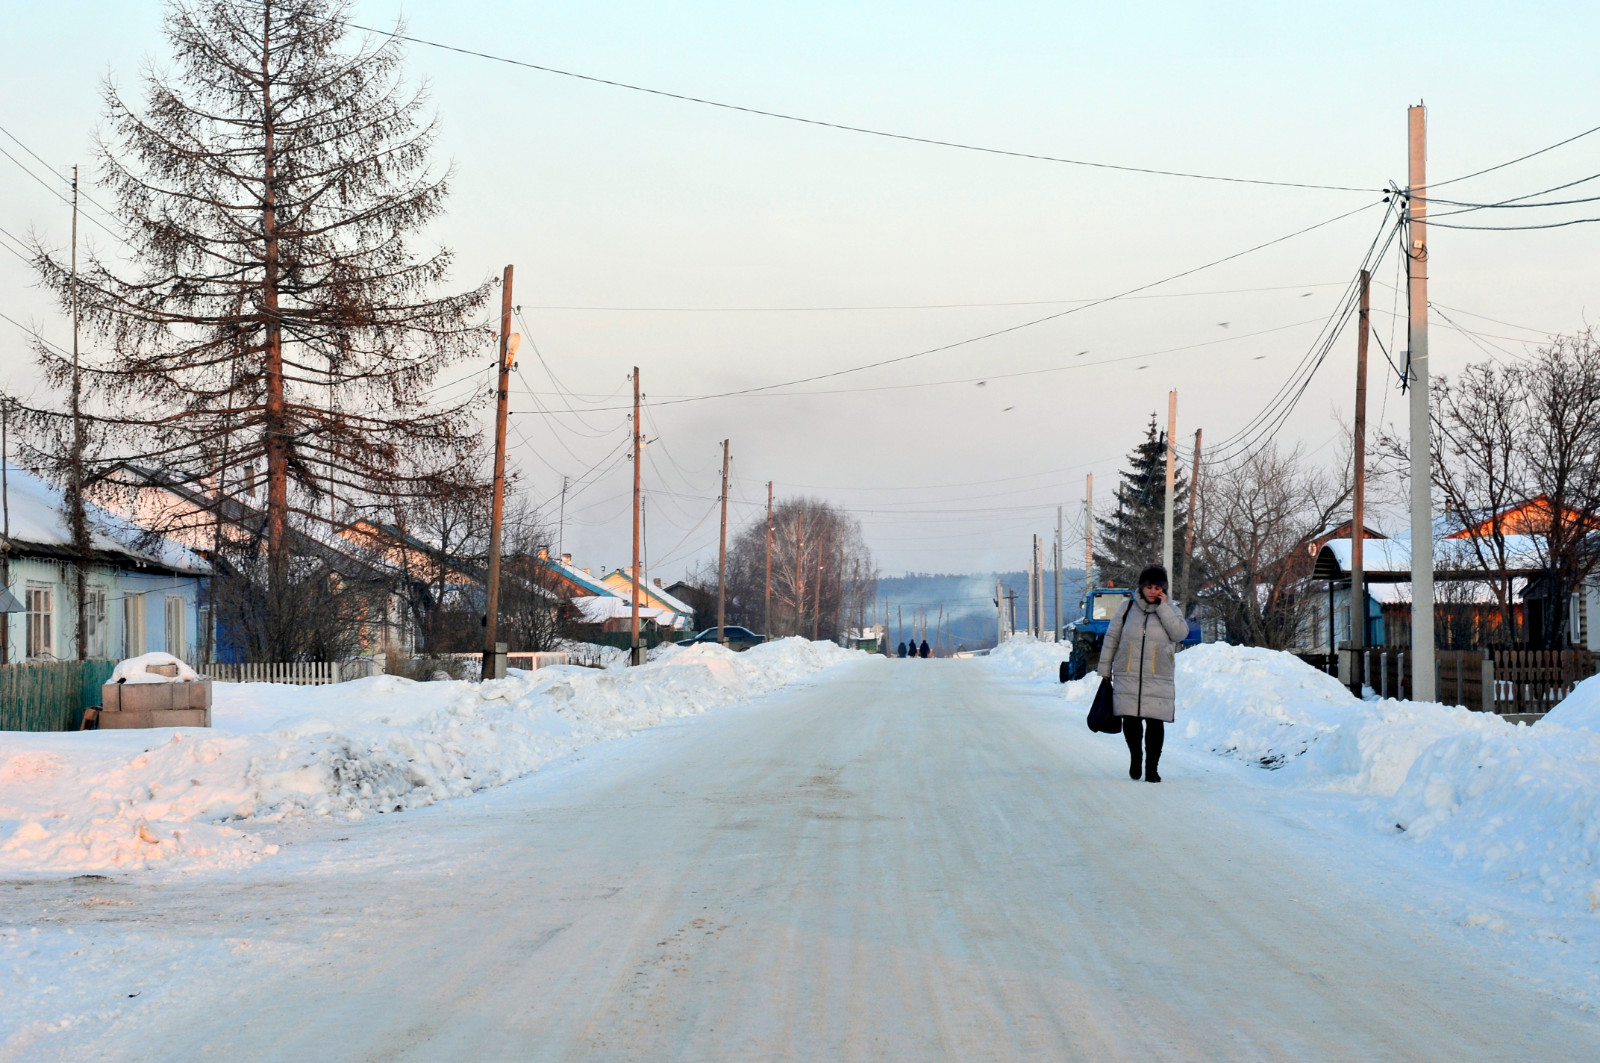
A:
[1358,517]
[1088,535]
[999,612]
[900,621]
[799,567]
[637,656]
[722,554]
[1033,558]
[494,661]
[1172,477]
[1188,529]
[5,525]
[1422,685]
[75,508]
[1055,580]
[766,609]
[561,525]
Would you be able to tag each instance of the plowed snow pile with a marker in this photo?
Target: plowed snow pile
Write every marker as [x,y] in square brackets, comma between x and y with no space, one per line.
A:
[187,796]
[1516,806]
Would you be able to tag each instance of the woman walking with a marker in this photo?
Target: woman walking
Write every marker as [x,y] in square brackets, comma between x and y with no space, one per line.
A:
[1137,657]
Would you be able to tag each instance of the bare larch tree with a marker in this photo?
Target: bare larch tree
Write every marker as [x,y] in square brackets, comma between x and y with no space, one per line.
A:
[273,308]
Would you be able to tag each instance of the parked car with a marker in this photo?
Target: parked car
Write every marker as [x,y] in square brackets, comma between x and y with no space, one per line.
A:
[739,638]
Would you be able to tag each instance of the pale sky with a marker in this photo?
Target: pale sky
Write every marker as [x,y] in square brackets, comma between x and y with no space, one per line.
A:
[606,198]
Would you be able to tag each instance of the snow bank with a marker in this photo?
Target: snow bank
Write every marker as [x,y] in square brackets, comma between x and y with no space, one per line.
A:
[1518,807]
[99,800]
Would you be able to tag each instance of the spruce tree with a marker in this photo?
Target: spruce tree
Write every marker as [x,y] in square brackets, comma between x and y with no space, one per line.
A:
[1130,538]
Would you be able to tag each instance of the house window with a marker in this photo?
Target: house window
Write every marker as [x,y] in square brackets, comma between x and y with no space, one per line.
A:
[174,625]
[132,625]
[40,620]
[94,621]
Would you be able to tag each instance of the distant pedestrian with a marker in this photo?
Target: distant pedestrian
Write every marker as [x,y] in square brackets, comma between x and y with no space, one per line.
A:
[924,651]
[1137,656]
[902,649]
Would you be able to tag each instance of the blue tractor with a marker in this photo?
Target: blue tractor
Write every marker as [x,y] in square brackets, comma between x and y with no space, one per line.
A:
[1088,632]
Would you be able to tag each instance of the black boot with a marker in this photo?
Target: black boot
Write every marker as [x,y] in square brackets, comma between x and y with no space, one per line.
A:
[1133,734]
[1155,732]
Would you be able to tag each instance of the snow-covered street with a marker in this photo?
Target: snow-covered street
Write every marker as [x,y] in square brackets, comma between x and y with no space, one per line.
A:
[893,860]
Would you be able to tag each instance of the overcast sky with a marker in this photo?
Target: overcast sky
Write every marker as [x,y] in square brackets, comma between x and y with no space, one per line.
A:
[653,232]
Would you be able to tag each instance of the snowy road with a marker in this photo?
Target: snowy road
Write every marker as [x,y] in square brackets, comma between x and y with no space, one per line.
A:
[902,860]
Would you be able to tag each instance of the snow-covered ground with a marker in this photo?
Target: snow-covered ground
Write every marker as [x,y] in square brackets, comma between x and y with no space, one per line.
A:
[196,798]
[1505,818]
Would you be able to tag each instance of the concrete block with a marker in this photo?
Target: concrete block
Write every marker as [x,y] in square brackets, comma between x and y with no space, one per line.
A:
[125,705]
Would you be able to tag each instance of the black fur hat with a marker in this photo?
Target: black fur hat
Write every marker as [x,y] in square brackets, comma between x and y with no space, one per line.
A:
[1153,576]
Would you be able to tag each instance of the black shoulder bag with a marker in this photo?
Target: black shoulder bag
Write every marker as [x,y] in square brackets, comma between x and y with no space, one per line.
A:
[1101,719]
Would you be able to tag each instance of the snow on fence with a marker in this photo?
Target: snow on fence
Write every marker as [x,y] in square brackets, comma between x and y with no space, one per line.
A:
[296,673]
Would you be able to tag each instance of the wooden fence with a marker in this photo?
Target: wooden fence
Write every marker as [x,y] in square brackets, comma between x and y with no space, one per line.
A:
[1523,683]
[295,673]
[50,695]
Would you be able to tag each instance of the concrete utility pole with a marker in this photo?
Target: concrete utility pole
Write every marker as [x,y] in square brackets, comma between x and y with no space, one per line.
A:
[1055,580]
[999,612]
[722,553]
[1088,534]
[637,656]
[1422,685]
[561,525]
[1172,475]
[1358,518]
[766,609]
[494,659]
[1033,560]
[1188,529]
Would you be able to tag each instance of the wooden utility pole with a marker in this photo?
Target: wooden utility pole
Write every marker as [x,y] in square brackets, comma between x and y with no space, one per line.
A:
[78,518]
[1358,516]
[1422,655]
[5,525]
[722,554]
[1088,534]
[799,567]
[1188,530]
[493,659]
[637,656]
[766,609]
[1172,478]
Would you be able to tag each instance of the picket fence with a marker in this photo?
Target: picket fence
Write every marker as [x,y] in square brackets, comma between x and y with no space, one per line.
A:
[295,673]
[1524,684]
[50,695]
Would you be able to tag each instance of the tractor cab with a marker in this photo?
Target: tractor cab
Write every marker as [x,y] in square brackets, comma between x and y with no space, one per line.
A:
[1088,633]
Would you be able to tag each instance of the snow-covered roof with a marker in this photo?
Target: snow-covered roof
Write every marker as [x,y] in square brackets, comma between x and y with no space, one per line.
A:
[660,595]
[599,609]
[577,576]
[1389,560]
[37,521]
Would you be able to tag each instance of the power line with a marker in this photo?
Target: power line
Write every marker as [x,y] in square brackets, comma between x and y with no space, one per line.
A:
[1010,328]
[1519,158]
[916,306]
[845,127]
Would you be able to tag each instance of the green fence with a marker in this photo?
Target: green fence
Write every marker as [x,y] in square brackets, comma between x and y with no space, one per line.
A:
[50,695]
